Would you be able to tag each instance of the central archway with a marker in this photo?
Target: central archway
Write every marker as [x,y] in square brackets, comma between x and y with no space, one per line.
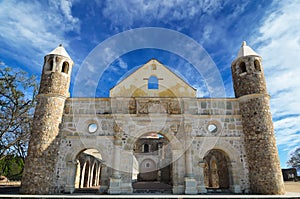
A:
[152,155]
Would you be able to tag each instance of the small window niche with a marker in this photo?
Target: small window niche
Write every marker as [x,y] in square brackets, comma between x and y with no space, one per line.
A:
[153,66]
[146,148]
[65,67]
[257,65]
[49,65]
[242,67]
[147,165]
[153,82]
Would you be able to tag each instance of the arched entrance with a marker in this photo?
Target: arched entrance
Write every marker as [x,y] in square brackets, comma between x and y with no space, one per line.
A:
[153,157]
[216,170]
[88,171]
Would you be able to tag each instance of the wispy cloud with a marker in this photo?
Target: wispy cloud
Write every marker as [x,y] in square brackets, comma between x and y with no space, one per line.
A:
[279,45]
[127,13]
[34,27]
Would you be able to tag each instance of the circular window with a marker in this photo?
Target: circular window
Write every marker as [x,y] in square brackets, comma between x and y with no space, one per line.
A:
[212,128]
[147,165]
[92,128]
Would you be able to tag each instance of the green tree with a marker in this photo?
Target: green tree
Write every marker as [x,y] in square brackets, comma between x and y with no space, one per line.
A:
[17,100]
[294,160]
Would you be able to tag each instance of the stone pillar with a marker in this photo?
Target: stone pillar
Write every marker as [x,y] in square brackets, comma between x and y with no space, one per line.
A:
[71,176]
[78,171]
[189,180]
[234,185]
[178,171]
[104,179]
[188,163]
[115,179]
[201,186]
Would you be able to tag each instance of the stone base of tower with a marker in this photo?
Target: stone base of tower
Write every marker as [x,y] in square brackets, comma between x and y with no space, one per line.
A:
[264,167]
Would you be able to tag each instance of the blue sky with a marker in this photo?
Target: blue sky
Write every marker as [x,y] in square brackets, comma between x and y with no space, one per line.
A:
[31,29]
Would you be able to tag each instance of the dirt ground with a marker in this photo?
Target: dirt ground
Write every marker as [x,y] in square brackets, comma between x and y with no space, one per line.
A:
[291,186]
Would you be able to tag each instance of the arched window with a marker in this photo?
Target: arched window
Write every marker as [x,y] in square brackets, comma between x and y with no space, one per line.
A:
[243,67]
[153,82]
[257,65]
[65,67]
[50,65]
[146,148]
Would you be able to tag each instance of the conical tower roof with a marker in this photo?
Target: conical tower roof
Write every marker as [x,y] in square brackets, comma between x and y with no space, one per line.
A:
[60,50]
[246,50]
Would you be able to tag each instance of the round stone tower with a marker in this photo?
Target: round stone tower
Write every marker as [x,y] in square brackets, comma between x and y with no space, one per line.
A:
[260,144]
[39,176]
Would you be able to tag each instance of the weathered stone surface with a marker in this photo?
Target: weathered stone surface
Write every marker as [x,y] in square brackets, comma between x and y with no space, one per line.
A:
[40,173]
[201,143]
[264,167]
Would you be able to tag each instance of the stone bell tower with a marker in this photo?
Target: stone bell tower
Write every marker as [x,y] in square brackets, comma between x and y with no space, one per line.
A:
[260,144]
[39,175]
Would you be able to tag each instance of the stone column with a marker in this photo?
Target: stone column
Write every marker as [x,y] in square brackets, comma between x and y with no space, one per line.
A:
[78,171]
[188,163]
[116,161]
[234,185]
[189,180]
[71,168]
[104,179]
[178,171]
[201,186]
[115,179]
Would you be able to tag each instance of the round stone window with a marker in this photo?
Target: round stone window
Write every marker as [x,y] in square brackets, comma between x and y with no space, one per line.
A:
[212,128]
[92,128]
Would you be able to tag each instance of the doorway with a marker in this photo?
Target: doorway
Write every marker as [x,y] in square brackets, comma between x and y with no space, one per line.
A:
[153,155]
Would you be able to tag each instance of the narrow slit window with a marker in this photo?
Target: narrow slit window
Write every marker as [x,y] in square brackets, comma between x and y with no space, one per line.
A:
[65,67]
[153,82]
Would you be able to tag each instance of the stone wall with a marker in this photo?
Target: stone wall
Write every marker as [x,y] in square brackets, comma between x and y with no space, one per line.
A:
[264,166]
[111,116]
[193,106]
[39,176]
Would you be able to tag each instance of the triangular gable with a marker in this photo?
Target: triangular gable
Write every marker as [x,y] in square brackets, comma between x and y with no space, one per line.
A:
[153,79]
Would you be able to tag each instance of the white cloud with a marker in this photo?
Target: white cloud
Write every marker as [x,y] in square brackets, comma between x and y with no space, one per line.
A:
[125,13]
[33,27]
[279,46]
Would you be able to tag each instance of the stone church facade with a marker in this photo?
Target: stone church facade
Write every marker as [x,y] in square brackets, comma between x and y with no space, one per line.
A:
[153,128]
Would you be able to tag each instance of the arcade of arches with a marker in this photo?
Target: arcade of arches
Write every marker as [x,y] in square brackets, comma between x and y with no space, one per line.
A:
[88,170]
[153,159]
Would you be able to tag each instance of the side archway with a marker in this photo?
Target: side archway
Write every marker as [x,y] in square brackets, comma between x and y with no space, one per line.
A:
[231,163]
[216,169]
